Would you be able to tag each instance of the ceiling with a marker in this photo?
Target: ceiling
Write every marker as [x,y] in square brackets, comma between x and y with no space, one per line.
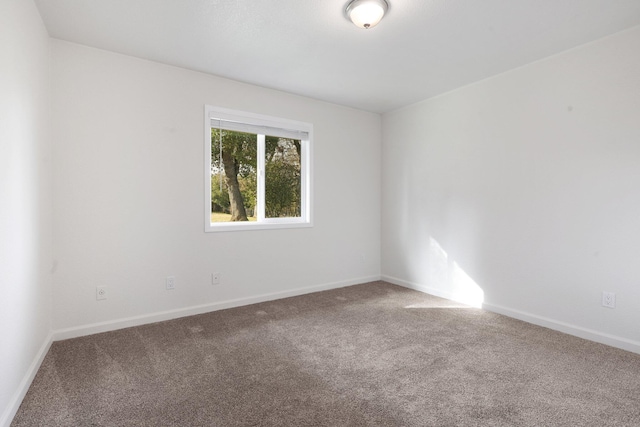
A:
[421,48]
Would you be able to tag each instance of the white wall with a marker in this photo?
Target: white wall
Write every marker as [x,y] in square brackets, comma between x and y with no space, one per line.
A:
[128,185]
[525,187]
[25,200]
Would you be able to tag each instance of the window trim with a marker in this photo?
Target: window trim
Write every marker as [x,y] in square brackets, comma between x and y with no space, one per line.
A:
[305,220]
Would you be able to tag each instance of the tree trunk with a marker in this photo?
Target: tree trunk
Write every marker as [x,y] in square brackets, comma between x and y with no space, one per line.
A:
[238,213]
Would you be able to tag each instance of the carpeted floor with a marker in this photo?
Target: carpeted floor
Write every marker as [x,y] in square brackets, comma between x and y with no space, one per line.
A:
[367,355]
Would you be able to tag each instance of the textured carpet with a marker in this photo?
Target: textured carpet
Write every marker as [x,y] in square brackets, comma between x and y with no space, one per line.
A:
[367,355]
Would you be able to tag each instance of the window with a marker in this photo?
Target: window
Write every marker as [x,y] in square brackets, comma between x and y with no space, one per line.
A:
[257,171]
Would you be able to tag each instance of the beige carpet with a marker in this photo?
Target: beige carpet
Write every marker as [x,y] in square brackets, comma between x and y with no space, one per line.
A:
[367,355]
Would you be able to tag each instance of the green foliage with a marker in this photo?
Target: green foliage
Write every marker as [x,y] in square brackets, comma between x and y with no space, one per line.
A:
[282,173]
[242,147]
[282,182]
[219,198]
[249,189]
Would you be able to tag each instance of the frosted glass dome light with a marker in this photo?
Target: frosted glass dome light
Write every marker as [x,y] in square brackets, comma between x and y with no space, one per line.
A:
[366,13]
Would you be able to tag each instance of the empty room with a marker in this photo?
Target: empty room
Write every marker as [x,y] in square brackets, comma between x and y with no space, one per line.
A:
[320,213]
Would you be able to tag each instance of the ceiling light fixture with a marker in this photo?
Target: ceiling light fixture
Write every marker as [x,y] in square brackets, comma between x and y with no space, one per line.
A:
[366,13]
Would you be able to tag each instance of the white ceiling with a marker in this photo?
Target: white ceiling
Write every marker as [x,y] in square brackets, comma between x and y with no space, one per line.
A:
[421,48]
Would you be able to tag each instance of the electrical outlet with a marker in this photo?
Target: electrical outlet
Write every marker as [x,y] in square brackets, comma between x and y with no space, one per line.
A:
[170,282]
[101,292]
[609,299]
[215,278]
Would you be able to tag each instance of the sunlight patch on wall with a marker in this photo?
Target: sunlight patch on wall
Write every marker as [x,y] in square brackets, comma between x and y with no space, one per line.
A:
[448,277]
[464,288]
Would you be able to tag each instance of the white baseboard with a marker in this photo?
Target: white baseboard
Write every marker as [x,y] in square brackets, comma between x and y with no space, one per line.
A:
[144,319]
[578,331]
[420,288]
[14,404]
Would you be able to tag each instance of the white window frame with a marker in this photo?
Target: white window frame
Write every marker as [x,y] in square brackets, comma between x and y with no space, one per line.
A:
[211,114]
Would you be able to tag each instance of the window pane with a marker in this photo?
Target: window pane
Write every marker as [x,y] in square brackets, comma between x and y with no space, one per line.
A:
[282,177]
[233,176]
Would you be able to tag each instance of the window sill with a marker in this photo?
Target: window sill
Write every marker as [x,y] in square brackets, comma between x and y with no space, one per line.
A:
[275,224]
